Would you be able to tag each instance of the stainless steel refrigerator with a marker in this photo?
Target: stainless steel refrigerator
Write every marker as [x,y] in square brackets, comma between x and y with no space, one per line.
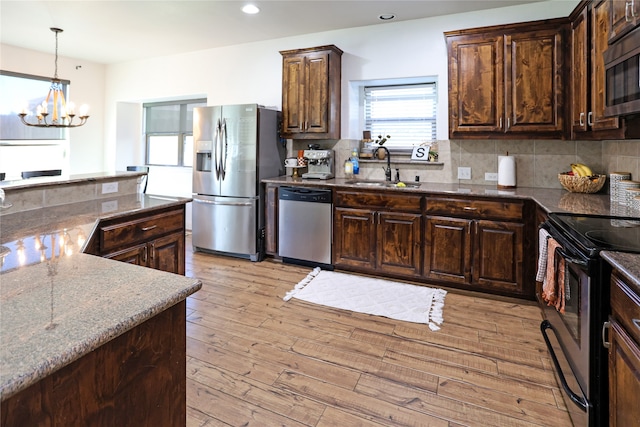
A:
[235,147]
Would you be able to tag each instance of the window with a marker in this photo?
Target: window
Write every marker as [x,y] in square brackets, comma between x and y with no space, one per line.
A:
[407,112]
[23,91]
[169,132]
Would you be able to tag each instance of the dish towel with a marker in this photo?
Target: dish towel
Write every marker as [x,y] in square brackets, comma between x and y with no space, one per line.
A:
[553,288]
[543,235]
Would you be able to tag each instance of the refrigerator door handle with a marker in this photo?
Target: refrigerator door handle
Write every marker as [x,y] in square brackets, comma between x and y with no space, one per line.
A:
[223,148]
[216,148]
[213,202]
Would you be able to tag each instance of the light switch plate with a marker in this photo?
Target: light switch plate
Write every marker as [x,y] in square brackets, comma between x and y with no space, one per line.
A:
[464,173]
[109,187]
[488,176]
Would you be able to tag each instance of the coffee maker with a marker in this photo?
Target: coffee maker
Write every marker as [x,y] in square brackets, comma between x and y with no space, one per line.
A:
[320,164]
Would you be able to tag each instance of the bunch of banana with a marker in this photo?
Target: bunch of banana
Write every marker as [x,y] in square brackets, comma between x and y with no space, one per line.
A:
[580,169]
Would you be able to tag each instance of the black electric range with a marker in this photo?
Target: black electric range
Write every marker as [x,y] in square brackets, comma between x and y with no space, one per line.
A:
[573,334]
[593,233]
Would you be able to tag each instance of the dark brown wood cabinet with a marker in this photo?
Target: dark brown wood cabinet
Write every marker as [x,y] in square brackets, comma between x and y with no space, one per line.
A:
[590,26]
[271,220]
[311,97]
[508,81]
[478,244]
[625,16]
[154,239]
[384,238]
[624,354]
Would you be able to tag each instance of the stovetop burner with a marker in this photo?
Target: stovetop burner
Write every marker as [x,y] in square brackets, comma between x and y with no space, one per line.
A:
[596,232]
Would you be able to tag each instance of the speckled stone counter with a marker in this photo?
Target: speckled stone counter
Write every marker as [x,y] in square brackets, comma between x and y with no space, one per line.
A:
[58,304]
[627,264]
[551,200]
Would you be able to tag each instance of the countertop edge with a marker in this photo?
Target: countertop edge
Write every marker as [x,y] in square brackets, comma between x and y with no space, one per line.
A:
[627,264]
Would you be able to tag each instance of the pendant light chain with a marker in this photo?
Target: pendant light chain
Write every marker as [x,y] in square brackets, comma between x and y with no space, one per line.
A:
[55,73]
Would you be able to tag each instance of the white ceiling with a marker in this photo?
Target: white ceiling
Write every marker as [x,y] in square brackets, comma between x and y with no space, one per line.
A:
[115,30]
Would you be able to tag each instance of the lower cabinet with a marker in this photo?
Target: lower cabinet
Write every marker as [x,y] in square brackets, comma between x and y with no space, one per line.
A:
[165,253]
[624,354]
[466,247]
[154,239]
[383,239]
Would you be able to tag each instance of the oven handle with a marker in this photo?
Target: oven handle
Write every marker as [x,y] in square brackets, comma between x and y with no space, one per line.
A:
[578,400]
[571,259]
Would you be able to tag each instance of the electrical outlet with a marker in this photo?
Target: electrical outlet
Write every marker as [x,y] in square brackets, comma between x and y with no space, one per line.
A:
[109,187]
[464,173]
[488,176]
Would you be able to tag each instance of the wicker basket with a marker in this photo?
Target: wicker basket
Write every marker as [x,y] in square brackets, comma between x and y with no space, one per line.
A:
[582,184]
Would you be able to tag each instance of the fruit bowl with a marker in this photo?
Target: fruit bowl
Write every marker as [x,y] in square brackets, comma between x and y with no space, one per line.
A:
[582,184]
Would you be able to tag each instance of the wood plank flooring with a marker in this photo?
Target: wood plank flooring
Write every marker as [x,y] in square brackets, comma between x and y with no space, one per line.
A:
[255,360]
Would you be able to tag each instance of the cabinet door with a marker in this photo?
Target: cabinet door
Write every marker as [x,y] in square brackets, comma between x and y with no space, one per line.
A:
[601,23]
[579,68]
[624,378]
[498,255]
[167,253]
[448,249]
[625,15]
[354,242]
[399,243]
[137,255]
[476,84]
[534,82]
[293,94]
[317,96]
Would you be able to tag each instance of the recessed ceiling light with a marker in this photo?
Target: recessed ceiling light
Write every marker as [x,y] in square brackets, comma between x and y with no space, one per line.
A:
[386,16]
[250,9]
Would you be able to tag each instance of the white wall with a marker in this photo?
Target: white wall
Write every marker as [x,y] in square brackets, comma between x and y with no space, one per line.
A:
[253,72]
[86,143]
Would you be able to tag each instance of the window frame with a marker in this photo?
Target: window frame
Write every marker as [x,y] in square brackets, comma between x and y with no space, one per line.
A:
[181,133]
[401,82]
[61,134]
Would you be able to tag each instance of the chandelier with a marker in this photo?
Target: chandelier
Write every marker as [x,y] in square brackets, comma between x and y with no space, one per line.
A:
[63,112]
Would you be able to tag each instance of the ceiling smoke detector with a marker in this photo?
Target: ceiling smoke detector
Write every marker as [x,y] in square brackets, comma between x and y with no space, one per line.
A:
[386,16]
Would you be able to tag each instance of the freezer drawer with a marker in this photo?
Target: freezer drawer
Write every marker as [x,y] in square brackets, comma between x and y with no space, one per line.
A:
[226,224]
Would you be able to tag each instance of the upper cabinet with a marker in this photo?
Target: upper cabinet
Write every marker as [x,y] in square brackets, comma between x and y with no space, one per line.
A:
[311,80]
[508,81]
[625,16]
[590,24]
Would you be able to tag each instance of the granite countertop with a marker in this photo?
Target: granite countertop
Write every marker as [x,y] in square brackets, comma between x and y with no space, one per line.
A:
[551,200]
[627,264]
[50,181]
[57,303]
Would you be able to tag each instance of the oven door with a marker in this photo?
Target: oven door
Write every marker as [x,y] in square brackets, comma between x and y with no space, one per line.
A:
[568,344]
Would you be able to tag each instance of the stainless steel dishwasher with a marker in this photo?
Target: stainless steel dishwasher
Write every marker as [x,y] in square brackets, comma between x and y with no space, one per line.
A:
[305,226]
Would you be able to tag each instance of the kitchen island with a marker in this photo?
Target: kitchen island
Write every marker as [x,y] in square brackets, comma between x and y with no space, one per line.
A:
[86,340]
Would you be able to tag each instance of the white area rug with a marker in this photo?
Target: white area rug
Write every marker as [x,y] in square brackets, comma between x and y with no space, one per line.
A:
[400,301]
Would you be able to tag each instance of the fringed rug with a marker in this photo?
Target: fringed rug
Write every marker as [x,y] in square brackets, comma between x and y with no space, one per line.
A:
[400,301]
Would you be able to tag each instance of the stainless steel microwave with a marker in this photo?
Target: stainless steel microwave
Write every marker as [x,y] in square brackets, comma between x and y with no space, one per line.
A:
[622,68]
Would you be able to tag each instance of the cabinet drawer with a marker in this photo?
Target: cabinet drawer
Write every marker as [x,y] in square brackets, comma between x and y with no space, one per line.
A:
[476,208]
[139,230]
[388,201]
[625,306]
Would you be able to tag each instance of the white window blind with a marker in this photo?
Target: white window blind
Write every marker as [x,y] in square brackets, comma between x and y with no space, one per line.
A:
[406,112]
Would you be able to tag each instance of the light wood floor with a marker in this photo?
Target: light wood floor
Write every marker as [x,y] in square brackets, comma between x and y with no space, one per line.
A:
[255,360]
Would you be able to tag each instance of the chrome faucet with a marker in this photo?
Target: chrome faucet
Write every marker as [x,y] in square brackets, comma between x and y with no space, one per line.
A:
[387,171]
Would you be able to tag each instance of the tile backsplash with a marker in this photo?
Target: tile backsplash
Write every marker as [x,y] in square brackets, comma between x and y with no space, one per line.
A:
[538,162]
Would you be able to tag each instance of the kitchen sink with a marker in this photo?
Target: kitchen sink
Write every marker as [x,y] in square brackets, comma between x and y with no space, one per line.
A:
[376,183]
